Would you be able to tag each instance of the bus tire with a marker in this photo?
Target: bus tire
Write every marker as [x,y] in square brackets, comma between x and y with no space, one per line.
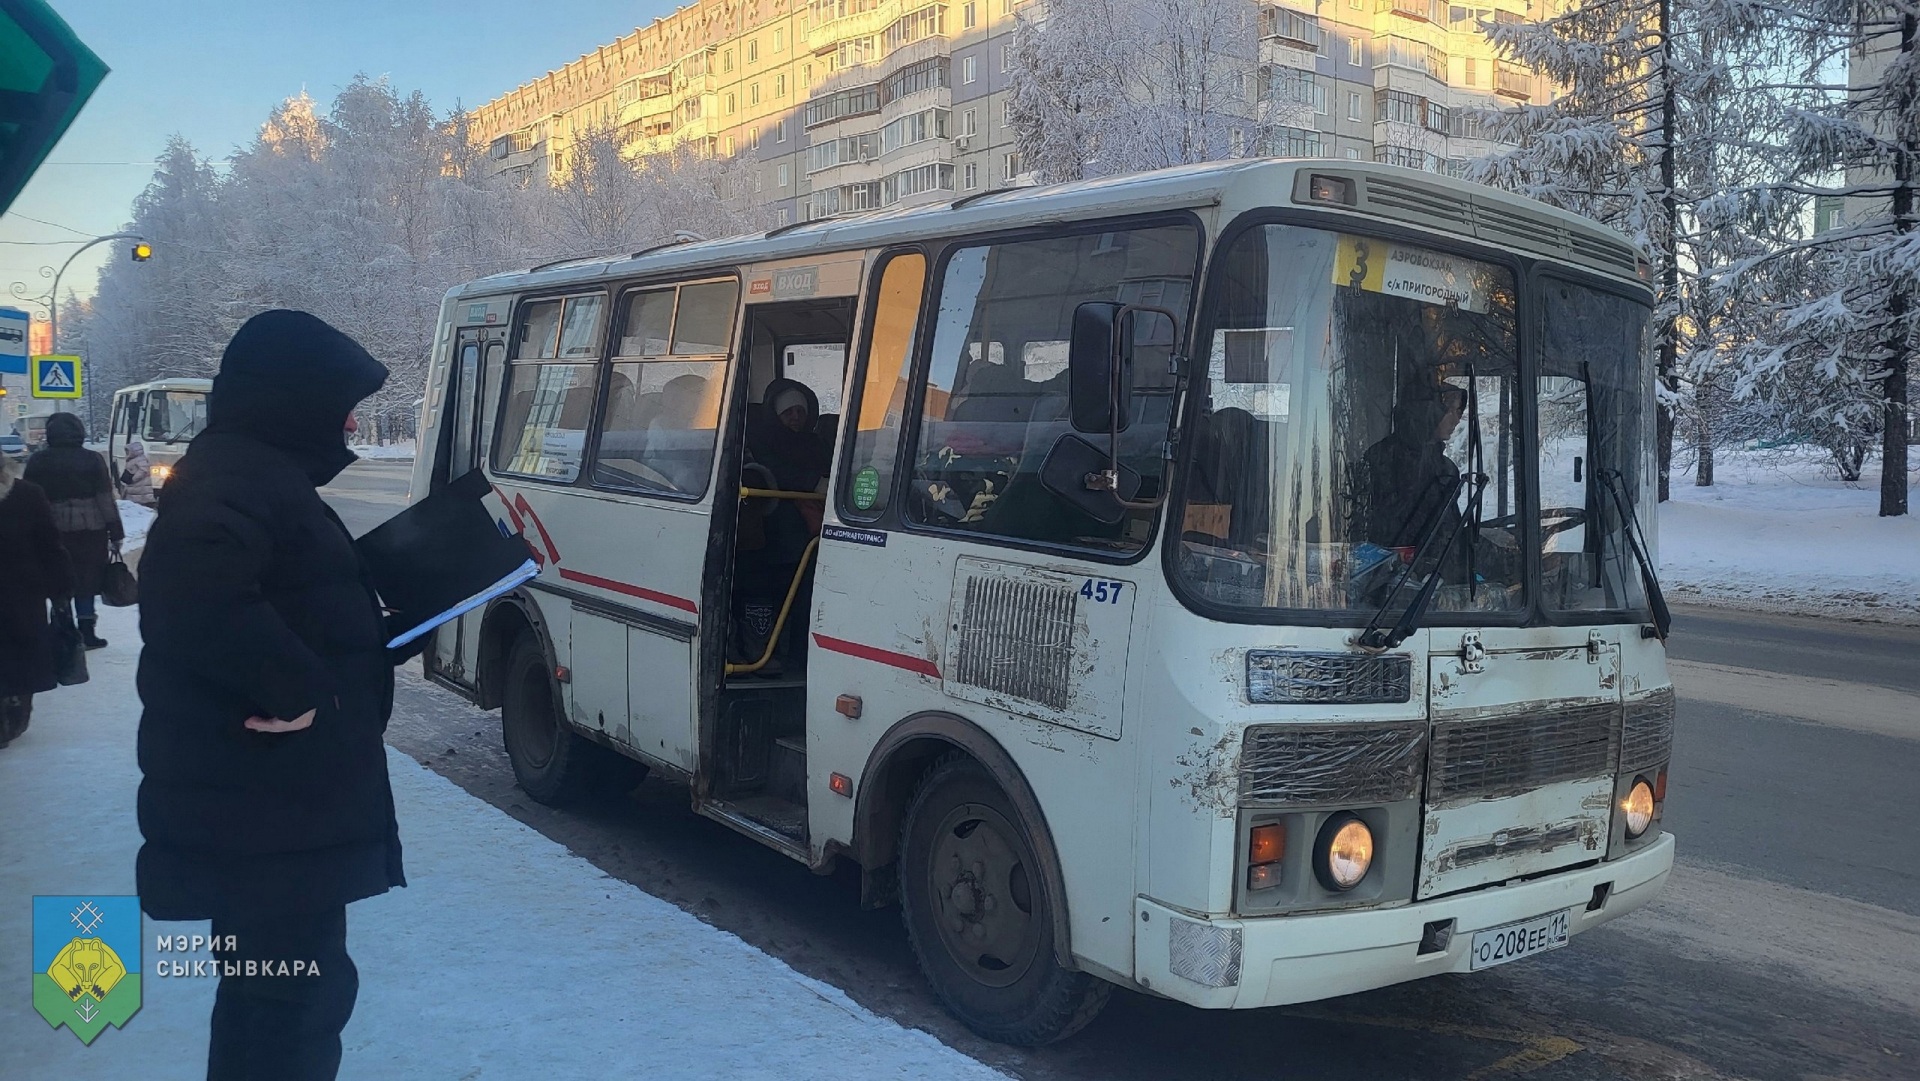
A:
[976,909]
[552,763]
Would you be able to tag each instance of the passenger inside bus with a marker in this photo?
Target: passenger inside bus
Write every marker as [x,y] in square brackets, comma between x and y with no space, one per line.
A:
[785,451]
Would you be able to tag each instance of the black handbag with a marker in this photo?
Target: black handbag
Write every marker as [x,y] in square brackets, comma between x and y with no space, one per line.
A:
[118,587]
[69,649]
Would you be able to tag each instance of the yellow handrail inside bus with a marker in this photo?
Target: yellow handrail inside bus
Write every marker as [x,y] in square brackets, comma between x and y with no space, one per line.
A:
[786,606]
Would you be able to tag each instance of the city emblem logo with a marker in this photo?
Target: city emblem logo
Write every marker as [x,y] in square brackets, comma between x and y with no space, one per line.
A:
[86,962]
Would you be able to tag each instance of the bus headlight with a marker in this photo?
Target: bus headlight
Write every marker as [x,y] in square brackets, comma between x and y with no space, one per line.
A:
[162,472]
[1638,807]
[1344,852]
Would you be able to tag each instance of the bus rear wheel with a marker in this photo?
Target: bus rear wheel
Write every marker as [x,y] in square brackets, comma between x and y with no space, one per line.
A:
[552,763]
[979,915]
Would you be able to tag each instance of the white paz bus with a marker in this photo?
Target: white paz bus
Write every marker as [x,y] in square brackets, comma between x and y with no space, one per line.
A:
[163,417]
[1225,582]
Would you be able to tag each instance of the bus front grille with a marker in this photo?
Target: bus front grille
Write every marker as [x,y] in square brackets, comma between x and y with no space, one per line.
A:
[1311,765]
[1646,739]
[1489,757]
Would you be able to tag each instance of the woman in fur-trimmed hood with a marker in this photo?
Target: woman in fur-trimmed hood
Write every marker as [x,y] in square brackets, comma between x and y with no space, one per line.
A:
[79,484]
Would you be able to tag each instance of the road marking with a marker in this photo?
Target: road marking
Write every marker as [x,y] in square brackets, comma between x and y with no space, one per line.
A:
[1861,707]
[1540,1051]
[1535,1051]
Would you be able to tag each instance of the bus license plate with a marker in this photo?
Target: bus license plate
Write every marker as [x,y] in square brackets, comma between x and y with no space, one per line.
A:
[1498,945]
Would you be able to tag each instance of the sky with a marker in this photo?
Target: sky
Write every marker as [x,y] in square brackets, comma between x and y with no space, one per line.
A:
[211,70]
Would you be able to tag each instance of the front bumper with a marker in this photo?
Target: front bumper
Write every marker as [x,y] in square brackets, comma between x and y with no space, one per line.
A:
[1287,959]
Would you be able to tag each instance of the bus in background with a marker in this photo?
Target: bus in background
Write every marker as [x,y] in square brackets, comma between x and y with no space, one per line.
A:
[1225,583]
[163,416]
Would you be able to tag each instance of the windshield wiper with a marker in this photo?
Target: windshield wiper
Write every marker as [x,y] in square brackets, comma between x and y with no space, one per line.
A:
[1375,637]
[1615,484]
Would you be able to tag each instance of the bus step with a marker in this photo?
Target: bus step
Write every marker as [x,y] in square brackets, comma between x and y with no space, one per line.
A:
[787,770]
[784,817]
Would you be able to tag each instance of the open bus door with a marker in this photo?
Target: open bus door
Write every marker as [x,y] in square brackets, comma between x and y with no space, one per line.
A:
[753,731]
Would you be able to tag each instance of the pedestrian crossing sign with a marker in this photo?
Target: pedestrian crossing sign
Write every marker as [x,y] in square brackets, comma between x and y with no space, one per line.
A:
[55,377]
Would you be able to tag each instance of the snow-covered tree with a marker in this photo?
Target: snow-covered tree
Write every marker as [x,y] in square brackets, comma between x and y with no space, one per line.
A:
[611,203]
[365,214]
[1845,337]
[1114,86]
[1666,116]
[165,316]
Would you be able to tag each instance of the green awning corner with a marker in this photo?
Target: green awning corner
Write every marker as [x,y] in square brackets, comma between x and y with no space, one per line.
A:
[46,75]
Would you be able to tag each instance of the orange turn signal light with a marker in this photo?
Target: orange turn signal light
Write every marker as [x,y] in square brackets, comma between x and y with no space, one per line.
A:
[841,784]
[1266,844]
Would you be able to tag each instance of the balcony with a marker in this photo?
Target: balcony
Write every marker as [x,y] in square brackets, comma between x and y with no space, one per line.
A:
[1513,82]
[517,160]
[1427,11]
[874,20]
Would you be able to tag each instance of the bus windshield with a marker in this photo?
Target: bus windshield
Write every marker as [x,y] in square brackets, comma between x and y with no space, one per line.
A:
[175,416]
[1362,396]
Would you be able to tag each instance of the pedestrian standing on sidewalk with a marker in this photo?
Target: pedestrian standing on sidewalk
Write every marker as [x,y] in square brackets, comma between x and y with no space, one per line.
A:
[33,570]
[79,484]
[267,684]
[136,480]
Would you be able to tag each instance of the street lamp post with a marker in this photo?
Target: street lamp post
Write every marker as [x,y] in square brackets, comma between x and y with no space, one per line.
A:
[53,310]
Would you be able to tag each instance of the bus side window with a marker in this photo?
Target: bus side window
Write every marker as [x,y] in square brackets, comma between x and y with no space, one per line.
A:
[662,411]
[996,391]
[880,396]
[550,389]
[465,384]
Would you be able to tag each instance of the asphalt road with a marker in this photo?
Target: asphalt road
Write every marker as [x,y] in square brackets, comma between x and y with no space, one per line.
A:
[1787,945]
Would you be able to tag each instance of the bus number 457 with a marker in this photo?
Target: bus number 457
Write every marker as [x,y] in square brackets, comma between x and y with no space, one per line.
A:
[1101,591]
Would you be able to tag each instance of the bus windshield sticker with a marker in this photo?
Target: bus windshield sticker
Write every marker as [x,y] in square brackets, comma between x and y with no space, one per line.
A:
[1422,274]
[871,537]
[1247,370]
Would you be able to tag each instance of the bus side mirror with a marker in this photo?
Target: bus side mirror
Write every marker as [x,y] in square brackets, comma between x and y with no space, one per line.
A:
[1099,375]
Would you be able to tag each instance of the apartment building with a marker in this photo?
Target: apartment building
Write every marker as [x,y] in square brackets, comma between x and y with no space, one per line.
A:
[850,105]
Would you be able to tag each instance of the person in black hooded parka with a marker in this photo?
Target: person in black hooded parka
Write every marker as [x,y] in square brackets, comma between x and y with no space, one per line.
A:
[265,803]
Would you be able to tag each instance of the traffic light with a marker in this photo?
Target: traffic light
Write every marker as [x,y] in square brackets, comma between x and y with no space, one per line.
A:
[142,251]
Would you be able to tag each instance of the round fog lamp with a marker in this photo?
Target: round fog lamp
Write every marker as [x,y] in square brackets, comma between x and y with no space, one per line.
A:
[1344,852]
[1638,807]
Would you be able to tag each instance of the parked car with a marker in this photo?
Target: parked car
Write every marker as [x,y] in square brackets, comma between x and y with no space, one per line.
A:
[12,443]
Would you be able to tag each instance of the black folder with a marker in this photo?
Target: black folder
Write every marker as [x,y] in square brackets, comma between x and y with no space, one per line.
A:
[443,557]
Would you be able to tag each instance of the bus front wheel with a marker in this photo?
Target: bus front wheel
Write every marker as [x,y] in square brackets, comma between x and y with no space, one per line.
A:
[552,763]
[979,916]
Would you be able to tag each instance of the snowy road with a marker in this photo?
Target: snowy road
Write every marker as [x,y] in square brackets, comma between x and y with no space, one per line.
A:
[1785,947]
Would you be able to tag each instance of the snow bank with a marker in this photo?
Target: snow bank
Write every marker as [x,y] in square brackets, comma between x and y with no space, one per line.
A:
[507,957]
[391,450]
[1778,531]
[136,519]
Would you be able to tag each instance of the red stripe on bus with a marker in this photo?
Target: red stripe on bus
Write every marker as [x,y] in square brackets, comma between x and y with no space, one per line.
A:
[667,599]
[918,665]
